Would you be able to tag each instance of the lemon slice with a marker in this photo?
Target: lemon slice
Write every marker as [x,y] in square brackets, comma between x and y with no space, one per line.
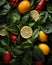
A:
[34,14]
[3,32]
[26,32]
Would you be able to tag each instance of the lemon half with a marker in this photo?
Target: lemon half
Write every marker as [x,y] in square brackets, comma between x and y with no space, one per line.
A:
[26,32]
[35,15]
[3,32]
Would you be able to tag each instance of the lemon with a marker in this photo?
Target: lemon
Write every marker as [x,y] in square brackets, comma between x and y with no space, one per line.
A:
[26,32]
[45,48]
[2,32]
[34,14]
[42,36]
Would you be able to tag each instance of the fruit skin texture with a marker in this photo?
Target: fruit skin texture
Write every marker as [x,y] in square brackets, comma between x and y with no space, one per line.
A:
[39,62]
[13,37]
[23,7]
[42,36]
[40,5]
[45,48]
[6,57]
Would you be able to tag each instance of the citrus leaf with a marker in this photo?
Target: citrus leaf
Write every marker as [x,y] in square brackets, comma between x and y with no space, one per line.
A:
[38,55]
[49,8]
[2,2]
[5,9]
[47,27]
[2,51]
[27,59]
[14,17]
[43,17]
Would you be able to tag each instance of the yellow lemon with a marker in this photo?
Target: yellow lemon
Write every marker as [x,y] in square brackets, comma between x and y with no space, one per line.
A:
[42,36]
[34,14]
[26,32]
[45,48]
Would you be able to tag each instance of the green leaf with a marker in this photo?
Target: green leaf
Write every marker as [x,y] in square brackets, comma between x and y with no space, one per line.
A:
[13,62]
[13,28]
[37,53]
[32,2]
[43,17]
[5,9]
[5,45]
[49,8]
[2,2]
[47,27]
[27,59]
[35,34]
[17,51]
[14,17]
[50,18]
[49,62]
[31,23]
[2,51]
[25,18]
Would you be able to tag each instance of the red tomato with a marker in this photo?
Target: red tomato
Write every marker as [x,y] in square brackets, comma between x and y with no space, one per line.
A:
[12,2]
[6,57]
[17,1]
[13,37]
[39,63]
[40,5]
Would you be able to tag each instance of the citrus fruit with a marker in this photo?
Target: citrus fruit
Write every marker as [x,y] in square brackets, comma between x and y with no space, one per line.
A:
[23,7]
[2,32]
[45,48]
[25,0]
[34,14]
[26,32]
[42,36]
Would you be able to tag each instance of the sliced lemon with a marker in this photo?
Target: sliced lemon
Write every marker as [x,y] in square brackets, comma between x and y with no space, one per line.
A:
[26,32]
[34,14]
[3,32]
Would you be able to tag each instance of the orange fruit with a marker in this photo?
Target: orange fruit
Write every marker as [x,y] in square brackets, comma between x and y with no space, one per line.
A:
[45,48]
[25,0]
[23,7]
[34,14]
[26,32]
[42,36]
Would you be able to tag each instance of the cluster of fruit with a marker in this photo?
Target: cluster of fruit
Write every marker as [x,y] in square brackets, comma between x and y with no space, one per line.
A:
[26,31]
